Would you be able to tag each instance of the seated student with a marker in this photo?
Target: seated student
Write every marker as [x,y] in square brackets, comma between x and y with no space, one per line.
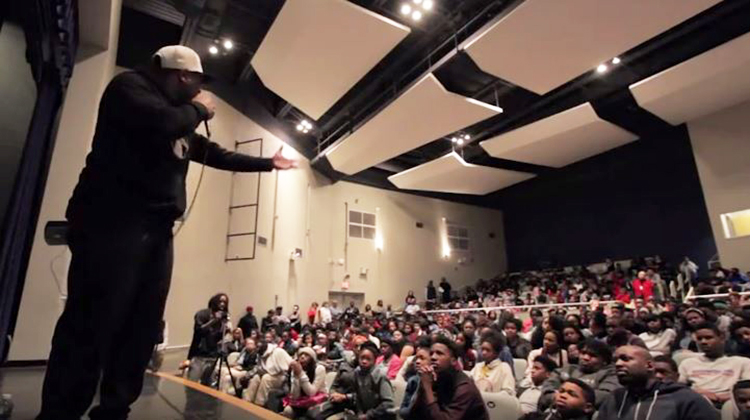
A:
[551,348]
[739,407]
[243,370]
[467,355]
[572,337]
[644,397]
[446,393]
[684,340]
[665,369]
[658,338]
[373,395]
[389,358]
[618,335]
[519,347]
[274,364]
[540,372]
[421,358]
[343,384]
[493,375]
[308,383]
[713,374]
[595,369]
[574,400]
[739,340]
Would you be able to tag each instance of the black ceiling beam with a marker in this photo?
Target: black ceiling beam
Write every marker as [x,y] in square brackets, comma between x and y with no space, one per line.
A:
[623,110]
[680,41]
[475,154]
[334,131]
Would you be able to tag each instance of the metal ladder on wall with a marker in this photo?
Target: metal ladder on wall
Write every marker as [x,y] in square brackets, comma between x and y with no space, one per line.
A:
[243,210]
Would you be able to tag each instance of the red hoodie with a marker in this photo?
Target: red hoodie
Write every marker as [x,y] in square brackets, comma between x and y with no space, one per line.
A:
[643,288]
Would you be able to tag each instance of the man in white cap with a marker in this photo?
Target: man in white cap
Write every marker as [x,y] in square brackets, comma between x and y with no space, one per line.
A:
[121,215]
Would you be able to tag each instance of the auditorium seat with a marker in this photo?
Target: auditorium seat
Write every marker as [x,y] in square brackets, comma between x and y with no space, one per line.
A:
[519,368]
[399,389]
[232,358]
[501,406]
[727,410]
[330,377]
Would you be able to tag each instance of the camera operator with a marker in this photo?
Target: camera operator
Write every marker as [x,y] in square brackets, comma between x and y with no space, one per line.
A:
[211,324]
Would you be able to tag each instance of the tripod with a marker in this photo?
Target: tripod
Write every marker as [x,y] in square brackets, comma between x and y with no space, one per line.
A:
[222,360]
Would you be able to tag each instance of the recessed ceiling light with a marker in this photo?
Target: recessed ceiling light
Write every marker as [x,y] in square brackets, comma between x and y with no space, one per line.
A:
[307,130]
[602,68]
[417,1]
[405,9]
[300,127]
[228,44]
[427,4]
[616,60]
[416,15]
[454,140]
[213,50]
[467,137]
[460,142]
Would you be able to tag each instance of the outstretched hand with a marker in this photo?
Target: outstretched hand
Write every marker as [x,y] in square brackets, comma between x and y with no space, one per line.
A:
[282,163]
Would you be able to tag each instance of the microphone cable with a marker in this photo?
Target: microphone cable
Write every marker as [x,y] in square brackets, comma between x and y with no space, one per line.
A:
[198,187]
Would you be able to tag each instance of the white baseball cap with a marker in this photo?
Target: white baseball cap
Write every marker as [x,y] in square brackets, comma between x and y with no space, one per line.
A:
[180,57]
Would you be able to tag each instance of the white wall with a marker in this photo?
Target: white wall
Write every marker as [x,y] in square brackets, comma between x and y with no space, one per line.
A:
[311,216]
[721,144]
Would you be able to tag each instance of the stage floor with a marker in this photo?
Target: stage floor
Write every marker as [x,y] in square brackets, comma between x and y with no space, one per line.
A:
[164,397]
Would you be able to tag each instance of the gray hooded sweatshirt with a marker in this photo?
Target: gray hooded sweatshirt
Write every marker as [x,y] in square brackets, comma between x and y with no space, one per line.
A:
[663,401]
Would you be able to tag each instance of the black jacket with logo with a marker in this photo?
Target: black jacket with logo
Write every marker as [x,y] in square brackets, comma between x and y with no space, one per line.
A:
[141,152]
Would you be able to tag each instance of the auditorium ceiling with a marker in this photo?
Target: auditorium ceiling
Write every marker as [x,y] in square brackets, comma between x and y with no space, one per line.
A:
[457,99]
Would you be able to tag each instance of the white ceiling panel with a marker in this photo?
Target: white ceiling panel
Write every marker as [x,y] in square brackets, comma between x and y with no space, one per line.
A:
[709,82]
[559,140]
[451,174]
[316,50]
[543,44]
[425,112]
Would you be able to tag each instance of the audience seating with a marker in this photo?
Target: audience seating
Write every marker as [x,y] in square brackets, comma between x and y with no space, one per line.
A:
[232,358]
[399,389]
[519,368]
[501,406]
[330,377]
[727,410]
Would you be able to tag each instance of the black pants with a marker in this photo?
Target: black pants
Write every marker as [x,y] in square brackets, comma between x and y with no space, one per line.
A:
[117,288]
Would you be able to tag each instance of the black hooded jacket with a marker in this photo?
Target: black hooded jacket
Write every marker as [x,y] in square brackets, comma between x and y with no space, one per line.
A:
[142,147]
[662,401]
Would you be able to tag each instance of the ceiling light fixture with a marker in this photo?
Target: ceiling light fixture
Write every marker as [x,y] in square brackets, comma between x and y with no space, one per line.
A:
[454,140]
[602,68]
[417,2]
[405,9]
[427,4]
[460,142]
[228,44]
[467,137]
[304,126]
[416,15]
[616,60]
[213,50]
